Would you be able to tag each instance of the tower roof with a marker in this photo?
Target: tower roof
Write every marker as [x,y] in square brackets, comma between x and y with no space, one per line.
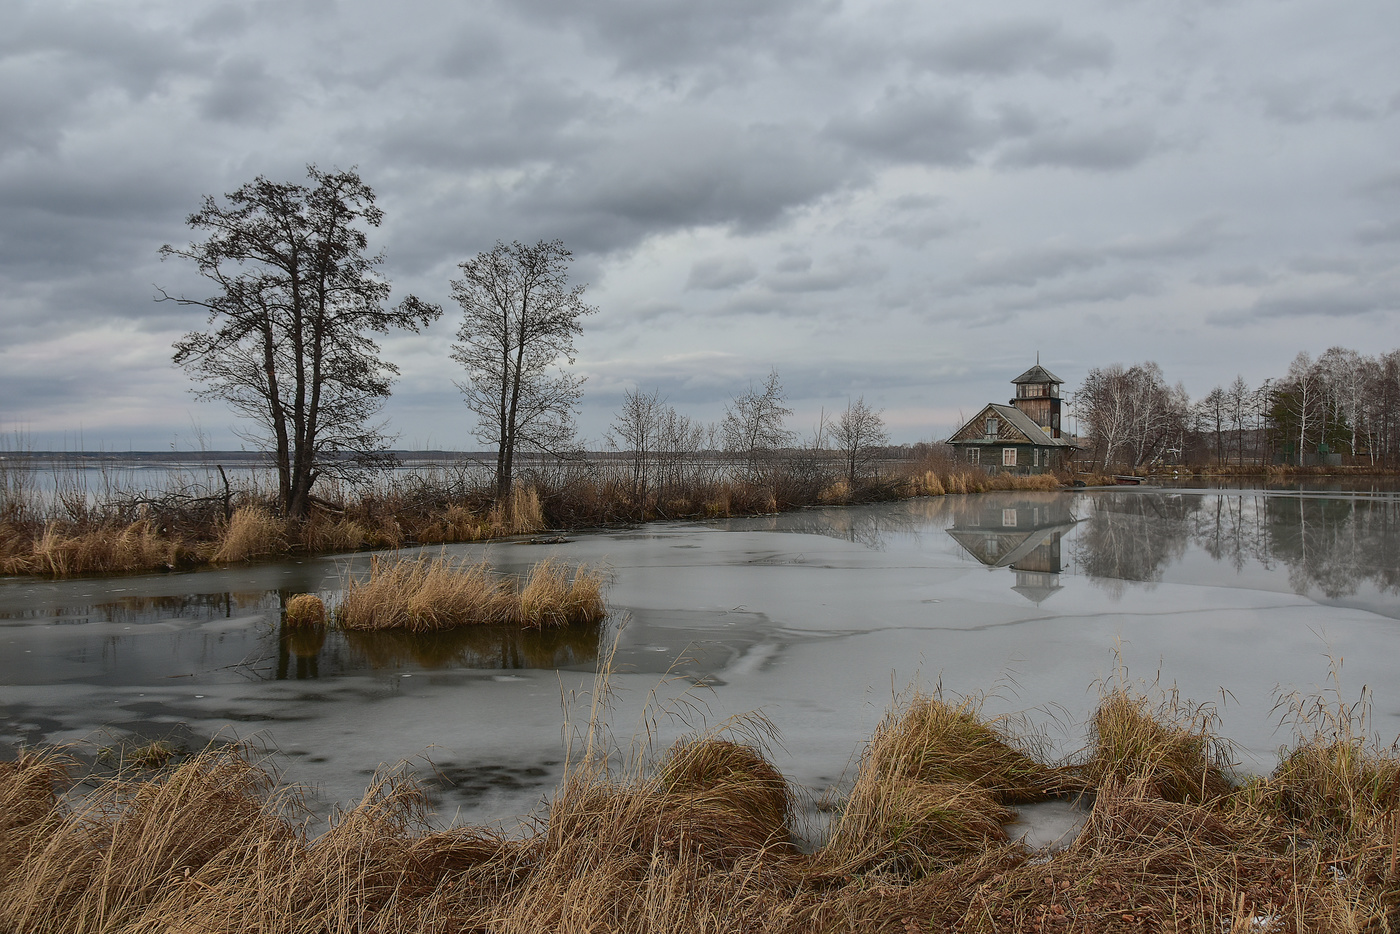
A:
[1038,374]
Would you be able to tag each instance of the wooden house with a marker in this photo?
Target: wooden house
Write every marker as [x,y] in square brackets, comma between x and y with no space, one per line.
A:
[1022,436]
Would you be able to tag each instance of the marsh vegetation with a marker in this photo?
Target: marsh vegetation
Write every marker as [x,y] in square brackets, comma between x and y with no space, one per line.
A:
[703,836]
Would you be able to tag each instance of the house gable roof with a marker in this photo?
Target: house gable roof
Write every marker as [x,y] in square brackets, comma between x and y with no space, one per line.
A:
[1022,429]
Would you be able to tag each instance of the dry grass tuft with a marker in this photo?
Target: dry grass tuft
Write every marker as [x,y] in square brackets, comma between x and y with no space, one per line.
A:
[732,781]
[1336,781]
[699,842]
[930,484]
[521,514]
[1167,748]
[423,595]
[931,791]
[61,552]
[549,598]
[937,741]
[305,609]
[252,532]
[322,533]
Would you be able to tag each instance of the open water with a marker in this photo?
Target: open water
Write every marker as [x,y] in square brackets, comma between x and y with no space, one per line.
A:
[813,619]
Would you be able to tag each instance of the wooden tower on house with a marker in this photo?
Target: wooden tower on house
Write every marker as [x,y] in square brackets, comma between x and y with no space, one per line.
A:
[1038,395]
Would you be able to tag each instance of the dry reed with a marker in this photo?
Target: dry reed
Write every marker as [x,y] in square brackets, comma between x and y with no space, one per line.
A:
[699,841]
[428,595]
[549,598]
[305,610]
[252,532]
[1166,747]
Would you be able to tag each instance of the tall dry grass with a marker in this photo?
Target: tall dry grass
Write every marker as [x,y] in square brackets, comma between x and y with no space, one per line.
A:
[251,532]
[549,597]
[425,594]
[61,552]
[700,839]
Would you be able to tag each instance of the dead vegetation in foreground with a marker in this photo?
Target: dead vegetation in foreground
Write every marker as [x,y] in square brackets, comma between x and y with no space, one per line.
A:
[700,839]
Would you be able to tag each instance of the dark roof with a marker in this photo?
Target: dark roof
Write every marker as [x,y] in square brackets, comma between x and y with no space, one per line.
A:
[1022,422]
[1038,374]
[1027,426]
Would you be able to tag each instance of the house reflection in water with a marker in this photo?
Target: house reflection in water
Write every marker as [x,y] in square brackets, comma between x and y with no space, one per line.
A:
[1022,534]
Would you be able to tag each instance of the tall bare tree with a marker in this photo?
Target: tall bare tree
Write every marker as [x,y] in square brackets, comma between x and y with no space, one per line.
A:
[858,433]
[1237,411]
[288,342]
[638,427]
[755,423]
[1132,414]
[520,318]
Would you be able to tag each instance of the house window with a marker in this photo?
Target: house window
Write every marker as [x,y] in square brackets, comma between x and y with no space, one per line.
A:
[1008,518]
[1035,457]
[993,428]
[1008,457]
[974,455]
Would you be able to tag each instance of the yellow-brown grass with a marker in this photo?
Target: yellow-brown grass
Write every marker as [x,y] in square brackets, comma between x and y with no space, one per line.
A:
[549,598]
[427,595]
[305,610]
[322,533]
[60,551]
[252,532]
[1165,748]
[699,841]
[931,790]
[521,514]
[423,595]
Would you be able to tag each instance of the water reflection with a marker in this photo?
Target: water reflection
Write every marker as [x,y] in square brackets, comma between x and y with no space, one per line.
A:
[479,647]
[1334,545]
[870,526]
[1021,533]
[1133,536]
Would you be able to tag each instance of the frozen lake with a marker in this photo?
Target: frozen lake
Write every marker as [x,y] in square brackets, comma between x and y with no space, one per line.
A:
[814,618]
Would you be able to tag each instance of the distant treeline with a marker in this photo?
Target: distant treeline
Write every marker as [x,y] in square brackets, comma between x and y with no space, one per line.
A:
[1339,409]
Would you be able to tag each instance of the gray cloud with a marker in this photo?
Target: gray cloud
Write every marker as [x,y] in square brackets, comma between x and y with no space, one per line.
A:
[1379,232]
[1028,267]
[797,274]
[798,181]
[1111,149]
[940,129]
[666,175]
[661,35]
[1346,301]
[720,272]
[242,91]
[1016,46]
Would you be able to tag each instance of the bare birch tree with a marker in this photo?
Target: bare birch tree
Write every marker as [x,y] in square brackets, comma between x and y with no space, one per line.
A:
[520,318]
[755,423]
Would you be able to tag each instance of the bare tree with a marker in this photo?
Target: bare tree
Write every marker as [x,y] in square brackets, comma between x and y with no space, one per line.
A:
[1133,416]
[638,428]
[755,424]
[1299,404]
[1237,411]
[520,321]
[1210,412]
[858,432]
[288,343]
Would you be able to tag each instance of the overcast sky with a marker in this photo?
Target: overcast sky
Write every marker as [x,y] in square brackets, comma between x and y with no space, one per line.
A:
[900,200]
